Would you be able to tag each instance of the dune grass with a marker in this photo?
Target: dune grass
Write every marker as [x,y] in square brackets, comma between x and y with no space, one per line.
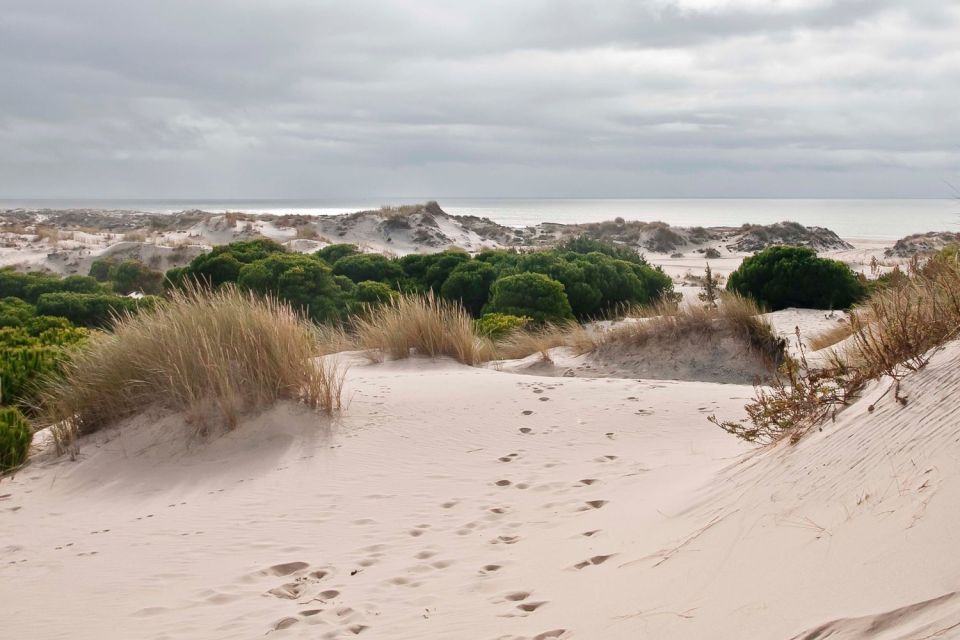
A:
[835,334]
[425,325]
[668,321]
[212,355]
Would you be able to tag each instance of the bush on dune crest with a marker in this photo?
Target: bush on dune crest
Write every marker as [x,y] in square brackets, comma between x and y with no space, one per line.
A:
[894,332]
[209,354]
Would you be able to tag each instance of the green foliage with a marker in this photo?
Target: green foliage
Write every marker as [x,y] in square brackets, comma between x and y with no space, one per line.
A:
[100,268]
[331,254]
[369,266]
[470,282]
[303,281]
[441,266]
[369,292]
[534,295]
[223,263]
[131,276]
[499,325]
[90,309]
[585,245]
[15,436]
[783,276]
[14,312]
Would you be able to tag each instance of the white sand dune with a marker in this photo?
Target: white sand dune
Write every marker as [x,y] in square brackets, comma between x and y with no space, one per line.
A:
[457,502]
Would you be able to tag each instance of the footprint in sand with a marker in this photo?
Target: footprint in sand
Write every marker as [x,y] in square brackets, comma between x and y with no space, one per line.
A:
[593,561]
[502,483]
[593,504]
[490,568]
[284,623]
[287,568]
[525,430]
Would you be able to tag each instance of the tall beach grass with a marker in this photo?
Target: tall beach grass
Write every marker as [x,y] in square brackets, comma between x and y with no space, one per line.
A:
[212,355]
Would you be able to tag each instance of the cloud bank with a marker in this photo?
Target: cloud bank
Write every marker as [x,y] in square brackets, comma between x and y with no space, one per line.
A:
[307,98]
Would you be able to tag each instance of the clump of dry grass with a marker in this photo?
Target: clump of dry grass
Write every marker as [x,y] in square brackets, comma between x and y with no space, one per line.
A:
[213,355]
[523,342]
[51,234]
[668,321]
[897,327]
[835,334]
[421,324]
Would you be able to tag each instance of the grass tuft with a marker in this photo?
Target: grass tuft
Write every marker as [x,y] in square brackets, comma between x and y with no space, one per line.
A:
[425,325]
[668,321]
[212,355]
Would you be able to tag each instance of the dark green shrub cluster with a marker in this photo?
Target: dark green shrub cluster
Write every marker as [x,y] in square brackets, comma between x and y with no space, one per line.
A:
[580,279]
[127,276]
[30,351]
[530,294]
[15,436]
[80,299]
[783,276]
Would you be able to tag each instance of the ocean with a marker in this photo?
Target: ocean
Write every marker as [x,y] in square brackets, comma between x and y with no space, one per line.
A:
[850,218]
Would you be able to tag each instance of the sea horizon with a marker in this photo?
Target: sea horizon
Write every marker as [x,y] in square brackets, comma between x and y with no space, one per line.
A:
[888,218]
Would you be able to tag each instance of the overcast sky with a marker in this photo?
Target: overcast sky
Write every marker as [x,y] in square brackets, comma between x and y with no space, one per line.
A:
[307,98]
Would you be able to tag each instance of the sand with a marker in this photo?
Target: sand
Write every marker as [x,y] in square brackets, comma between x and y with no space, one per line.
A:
[458,502]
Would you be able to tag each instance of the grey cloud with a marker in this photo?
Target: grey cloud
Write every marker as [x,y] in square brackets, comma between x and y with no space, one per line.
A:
[300,98]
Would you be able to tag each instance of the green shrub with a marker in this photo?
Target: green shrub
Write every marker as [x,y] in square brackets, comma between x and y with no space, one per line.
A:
[499,325]
[470,283]
[223,263]
[14,312]
[335,252]
[100,268]
[783,276]
[90,309]
[369,266]
[530,294]
[130,276]
[15,437]
[301,280]
[584,245]
[369,292]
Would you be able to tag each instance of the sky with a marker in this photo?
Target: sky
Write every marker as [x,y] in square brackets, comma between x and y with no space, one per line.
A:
[498,98]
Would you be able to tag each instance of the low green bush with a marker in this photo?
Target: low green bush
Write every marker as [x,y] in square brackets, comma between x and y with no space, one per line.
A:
[499,325]
[15,437]
[530,294]
[783,276]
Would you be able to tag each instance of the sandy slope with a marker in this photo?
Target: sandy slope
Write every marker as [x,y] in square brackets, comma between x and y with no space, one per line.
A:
[453,502]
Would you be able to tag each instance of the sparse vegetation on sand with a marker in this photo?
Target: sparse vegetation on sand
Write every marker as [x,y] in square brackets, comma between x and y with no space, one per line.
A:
[211,355]
[896,330]
[733,315]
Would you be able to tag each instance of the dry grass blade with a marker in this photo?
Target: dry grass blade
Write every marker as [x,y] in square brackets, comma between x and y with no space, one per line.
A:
[212,355]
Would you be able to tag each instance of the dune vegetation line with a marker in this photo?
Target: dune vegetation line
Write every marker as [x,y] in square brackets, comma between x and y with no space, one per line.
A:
[249,324]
